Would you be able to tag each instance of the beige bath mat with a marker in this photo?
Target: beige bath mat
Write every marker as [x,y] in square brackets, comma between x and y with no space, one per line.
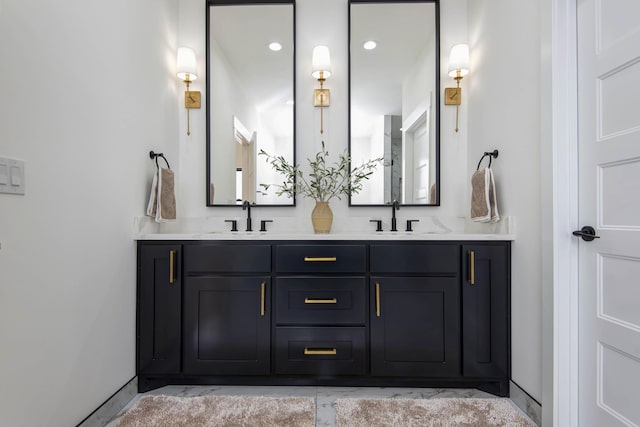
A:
[449,412]
[212,411]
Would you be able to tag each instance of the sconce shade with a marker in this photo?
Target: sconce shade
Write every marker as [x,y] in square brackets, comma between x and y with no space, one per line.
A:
[321,62]
[459,60]
[186,64]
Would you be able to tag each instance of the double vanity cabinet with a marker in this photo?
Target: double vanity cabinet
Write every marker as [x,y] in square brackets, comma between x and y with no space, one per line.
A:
[324,312]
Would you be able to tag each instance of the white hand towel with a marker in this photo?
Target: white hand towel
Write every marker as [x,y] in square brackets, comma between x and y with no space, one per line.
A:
[153,202]
[484,204]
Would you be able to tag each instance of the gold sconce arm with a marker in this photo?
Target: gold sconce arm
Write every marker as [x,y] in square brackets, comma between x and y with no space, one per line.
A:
[187,72]
[321,98]
[453,96]
[458,68]
[321,63]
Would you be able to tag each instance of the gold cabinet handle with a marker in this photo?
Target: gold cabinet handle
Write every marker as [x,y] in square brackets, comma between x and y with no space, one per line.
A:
[172,260]
[377,299]
[320,301]
[320,259]
[316,351]
[263,288]
[472,267]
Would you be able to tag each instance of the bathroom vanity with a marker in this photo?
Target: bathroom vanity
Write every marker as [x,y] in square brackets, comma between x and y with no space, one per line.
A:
[334,311]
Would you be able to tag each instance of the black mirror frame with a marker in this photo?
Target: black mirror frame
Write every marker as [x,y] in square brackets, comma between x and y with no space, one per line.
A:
[208,5]
[437,94]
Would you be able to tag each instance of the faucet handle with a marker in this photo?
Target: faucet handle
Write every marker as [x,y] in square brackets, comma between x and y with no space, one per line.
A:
[263,224]
[409,224]
[234,224]
[378,224]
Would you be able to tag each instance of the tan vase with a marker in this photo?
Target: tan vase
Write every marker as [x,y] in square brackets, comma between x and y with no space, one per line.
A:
[321,218]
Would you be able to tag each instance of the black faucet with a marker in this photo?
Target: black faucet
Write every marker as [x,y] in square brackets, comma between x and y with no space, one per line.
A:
[394,206]
[246,206]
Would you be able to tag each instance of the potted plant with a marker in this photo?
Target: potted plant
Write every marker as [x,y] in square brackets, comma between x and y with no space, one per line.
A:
[324,182]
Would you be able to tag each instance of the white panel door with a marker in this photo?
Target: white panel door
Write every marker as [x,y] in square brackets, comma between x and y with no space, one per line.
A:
[420,164]
[609,200]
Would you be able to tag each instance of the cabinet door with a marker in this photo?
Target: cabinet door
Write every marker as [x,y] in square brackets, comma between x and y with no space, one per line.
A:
[227,325]
[415,327]
[486,317]
[159,303]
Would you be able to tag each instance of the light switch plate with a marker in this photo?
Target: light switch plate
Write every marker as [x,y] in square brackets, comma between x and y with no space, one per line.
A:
[11,176]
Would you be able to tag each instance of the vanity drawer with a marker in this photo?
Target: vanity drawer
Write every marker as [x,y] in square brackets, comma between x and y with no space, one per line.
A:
[320,300]
[407,258]
[226,258]
[321,258]
[320,351]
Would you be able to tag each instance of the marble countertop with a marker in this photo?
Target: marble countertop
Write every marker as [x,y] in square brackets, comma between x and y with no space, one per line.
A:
[429,228]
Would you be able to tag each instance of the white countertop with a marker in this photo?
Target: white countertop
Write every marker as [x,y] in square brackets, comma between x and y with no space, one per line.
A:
[429,228]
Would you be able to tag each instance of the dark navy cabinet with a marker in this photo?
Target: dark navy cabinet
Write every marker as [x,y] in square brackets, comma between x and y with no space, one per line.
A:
[227,309]
[486,319]
[159,309]
[415,310]
[342,313]
[320,306]
[415,327]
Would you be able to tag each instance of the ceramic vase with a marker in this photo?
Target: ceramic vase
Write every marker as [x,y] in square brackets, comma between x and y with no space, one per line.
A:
[321,218]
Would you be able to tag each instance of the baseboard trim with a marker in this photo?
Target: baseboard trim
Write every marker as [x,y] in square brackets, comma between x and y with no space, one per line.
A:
[528,404]
[112,406]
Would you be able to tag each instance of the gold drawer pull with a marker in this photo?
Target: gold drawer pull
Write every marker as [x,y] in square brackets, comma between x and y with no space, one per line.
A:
[377,299]
[263,286]
[316,351]
[320,259]
[472,267]
[172,255]
[320,301]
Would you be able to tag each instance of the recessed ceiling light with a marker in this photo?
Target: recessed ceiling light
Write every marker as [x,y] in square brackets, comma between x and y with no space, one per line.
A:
[275,46]
[369,45]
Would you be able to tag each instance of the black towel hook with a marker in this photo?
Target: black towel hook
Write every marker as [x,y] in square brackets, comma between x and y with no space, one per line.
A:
[492,155]
[156,155]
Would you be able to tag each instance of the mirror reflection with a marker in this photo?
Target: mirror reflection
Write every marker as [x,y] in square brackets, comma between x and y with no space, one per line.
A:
[394,97]
[250,99]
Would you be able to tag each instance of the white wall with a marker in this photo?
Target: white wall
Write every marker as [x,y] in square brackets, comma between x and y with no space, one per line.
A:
[503,95]
[87,89]
[311,20]
[500,109]
[96,92]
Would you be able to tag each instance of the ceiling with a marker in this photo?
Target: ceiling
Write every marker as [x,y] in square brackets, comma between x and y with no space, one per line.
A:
[401,31]
[243,33]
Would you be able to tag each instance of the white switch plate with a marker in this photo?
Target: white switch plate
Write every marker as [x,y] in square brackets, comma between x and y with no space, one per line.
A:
[11,176]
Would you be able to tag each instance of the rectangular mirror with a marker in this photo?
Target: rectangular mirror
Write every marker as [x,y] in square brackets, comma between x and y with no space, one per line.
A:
[250,98]
[394,86]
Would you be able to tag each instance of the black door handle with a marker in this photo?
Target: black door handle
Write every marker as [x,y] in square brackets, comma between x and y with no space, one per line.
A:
[587,233]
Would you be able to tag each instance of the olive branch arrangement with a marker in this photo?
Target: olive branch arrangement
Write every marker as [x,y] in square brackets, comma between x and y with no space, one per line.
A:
[325,181]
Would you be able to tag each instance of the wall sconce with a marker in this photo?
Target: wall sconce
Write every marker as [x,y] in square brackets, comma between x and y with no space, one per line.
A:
[321,61]
[188,72]
[458,68]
